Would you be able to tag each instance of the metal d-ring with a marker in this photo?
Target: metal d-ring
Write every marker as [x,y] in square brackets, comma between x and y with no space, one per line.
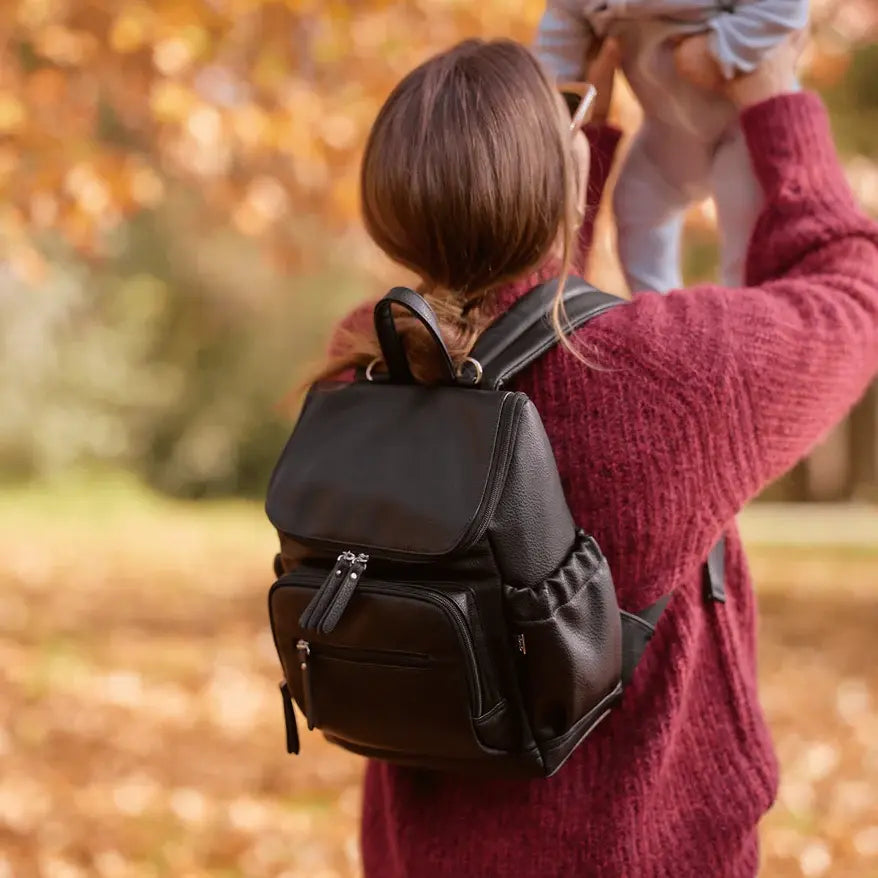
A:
[476,379]
[370,367]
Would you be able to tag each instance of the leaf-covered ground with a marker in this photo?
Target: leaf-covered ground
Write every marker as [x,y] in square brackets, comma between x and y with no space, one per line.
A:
[140,725]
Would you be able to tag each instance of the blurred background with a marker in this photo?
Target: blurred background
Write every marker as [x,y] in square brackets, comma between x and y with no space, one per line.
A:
[178,233]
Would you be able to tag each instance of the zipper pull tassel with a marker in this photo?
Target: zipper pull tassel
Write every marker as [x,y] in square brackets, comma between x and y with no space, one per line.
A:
[303,648]
[343,594]
[289,719]
[310,618]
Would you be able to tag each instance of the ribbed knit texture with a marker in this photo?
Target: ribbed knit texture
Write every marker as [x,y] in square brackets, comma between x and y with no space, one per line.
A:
[692,402]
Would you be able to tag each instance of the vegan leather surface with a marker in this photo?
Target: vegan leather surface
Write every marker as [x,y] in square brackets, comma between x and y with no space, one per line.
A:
[391,676]
[289,720]
[386,467]
[391,344]
[637,631]
[527,546]
[572,634]
[525,332]
[481,632]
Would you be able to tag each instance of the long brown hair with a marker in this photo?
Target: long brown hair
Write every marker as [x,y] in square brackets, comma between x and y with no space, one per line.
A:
[468,180]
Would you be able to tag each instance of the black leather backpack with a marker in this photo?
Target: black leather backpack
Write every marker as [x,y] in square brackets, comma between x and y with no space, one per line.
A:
[444,611]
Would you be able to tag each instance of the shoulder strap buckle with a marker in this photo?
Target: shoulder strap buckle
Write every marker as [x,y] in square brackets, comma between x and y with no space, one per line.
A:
[714,573]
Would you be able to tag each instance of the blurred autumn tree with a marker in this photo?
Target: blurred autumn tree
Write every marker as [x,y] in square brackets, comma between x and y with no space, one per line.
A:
[179,202]
[262,105]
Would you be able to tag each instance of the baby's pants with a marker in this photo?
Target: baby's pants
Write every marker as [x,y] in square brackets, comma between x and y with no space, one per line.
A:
[666,169]
[689,146]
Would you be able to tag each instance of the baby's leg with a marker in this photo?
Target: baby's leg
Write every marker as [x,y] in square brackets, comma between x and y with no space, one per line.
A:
[739,200]
[651,195]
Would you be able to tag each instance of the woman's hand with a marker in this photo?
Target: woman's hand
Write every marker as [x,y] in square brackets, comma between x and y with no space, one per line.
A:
[601,74]
[775,75]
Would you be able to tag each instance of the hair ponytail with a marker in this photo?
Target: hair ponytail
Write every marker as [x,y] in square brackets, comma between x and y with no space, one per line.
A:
[468,180]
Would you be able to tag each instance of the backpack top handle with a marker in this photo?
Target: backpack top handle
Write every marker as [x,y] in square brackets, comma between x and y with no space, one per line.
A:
[513,341]
[390,340]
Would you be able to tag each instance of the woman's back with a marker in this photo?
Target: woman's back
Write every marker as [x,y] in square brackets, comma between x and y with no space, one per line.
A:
[690,404]
[666,417]
[623,446]
[622,437]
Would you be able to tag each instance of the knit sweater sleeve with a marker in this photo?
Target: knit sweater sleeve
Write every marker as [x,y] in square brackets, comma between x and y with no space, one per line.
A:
[603,142]
[750,379]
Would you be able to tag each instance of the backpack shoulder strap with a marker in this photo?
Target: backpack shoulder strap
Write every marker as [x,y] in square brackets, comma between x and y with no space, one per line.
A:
[525,332]
[637,631]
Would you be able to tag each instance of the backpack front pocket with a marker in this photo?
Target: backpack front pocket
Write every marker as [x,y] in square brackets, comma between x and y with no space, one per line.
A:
[404,671]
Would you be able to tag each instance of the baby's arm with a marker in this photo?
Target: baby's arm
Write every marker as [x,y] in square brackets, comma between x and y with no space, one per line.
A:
[564,38]
[742,37]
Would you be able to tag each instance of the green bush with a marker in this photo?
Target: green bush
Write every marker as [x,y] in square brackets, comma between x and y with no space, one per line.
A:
[168,360]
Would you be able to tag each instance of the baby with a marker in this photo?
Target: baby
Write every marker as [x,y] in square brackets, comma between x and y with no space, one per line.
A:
[690,144]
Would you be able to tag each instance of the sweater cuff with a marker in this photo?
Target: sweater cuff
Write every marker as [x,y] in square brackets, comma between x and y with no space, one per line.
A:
[791,133]
[603,140]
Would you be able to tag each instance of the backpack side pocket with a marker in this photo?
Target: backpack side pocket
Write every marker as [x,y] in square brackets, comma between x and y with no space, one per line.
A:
[569,634]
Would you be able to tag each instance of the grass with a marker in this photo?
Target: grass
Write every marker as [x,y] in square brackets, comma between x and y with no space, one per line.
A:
[140,728]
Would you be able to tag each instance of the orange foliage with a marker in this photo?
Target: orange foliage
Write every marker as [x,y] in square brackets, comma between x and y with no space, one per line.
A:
[261,104]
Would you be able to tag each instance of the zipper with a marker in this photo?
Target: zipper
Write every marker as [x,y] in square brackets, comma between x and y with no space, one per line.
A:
[389,657]
[475,680]
[497,478]
[303,649]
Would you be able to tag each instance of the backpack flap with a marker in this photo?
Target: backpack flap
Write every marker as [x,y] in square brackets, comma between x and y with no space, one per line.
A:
[396,471]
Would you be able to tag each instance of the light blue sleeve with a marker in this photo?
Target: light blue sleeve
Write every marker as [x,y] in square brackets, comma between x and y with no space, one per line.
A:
[742,37]
[563,39]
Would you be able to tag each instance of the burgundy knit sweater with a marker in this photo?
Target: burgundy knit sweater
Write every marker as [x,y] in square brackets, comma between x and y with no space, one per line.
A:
[702,397]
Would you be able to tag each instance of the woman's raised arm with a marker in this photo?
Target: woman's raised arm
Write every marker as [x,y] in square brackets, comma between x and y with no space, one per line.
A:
[603,141]
[748,380]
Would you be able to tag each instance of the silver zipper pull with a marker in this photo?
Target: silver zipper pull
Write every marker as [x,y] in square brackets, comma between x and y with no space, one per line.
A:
[522,646]
[303,649]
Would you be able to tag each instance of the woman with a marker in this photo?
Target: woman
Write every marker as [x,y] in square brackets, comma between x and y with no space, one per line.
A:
[667,416]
